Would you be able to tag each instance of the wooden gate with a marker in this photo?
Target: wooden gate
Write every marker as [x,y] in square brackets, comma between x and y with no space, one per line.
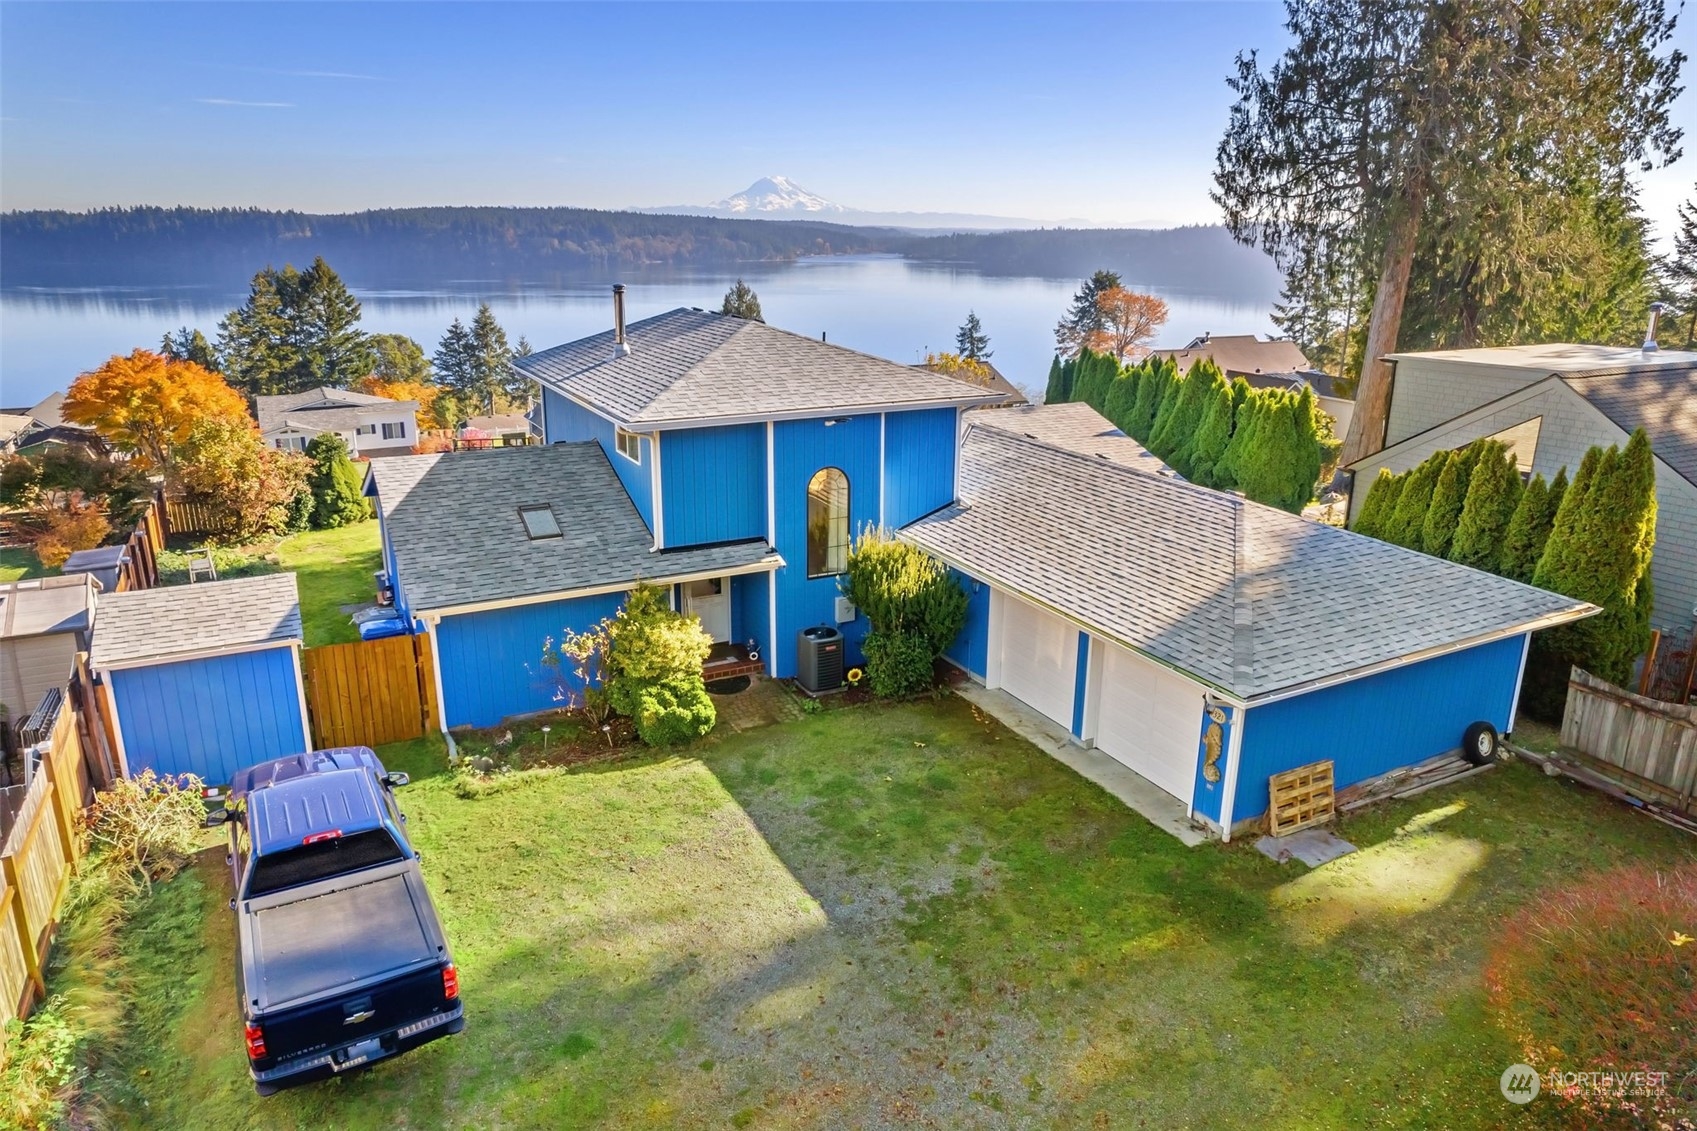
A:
[370,692]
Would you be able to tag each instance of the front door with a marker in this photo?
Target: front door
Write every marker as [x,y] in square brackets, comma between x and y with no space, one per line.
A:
[710,599]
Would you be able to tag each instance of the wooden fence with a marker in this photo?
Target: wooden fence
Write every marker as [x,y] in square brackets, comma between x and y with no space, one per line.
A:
[370,692]
[36,861]
[1649,745]
[188,518]
[141,558]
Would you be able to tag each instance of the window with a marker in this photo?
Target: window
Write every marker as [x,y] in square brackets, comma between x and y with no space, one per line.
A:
[366,430]
[1522,443]
[539,522]
[629,444]
[827,523]
[334,856]
[395,431]
[290,443]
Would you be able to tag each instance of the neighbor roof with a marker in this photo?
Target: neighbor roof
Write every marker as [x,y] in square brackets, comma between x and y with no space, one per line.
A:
[323,408]
[453,521]
[157,624]
[45,605]
[997,383]
[1565,358]
[1241,596]
[1663,402]
[1323,384]
[1241,353]
[691,367]
[1077,427]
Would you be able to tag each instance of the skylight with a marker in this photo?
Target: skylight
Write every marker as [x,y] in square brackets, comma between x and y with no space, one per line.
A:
[539,522]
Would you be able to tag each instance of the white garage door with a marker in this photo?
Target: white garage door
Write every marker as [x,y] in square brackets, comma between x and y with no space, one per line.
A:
[1039,657]
[1150,719]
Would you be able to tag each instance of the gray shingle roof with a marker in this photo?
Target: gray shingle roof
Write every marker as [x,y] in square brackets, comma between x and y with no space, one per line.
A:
[1242,596]
[1662,401]
[321,408]
[1076,427]
[156,624]
[691,366]
[453,520]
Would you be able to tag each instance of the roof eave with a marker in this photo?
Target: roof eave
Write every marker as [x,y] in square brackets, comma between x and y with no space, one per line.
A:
[767,564]
[126,662]
[674,423]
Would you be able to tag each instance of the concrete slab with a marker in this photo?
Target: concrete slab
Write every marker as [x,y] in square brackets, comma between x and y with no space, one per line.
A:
[1137,792]
[1313,847]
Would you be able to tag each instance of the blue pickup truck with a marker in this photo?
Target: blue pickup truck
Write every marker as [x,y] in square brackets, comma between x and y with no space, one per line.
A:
[341,959]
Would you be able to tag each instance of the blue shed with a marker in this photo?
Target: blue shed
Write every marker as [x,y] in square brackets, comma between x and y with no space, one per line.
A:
[1205,641]
[203,679]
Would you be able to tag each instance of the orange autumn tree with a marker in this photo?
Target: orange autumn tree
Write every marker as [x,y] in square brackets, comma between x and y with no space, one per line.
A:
[423,392]
[147,404]
[1130,322]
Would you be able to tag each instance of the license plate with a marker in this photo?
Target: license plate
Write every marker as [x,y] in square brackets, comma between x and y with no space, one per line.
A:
[359,1054]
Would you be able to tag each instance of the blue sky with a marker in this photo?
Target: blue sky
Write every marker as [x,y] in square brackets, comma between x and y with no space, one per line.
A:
[1106,112]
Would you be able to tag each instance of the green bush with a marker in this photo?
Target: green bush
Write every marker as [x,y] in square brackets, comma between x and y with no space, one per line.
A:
[905,593]
[1529,527]
[1381,500]
[1492,496]
[338,486]
[898,663]
[1212,434]
[1449,495]
[670,714]
[653,669]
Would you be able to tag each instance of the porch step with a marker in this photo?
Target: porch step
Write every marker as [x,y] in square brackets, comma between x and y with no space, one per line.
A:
[731,668]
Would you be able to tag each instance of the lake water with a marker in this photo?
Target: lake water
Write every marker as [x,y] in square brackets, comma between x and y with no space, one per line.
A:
[882,305]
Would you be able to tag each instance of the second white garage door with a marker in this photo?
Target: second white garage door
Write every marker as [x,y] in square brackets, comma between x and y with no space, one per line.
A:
[1039,657]
[1150,719]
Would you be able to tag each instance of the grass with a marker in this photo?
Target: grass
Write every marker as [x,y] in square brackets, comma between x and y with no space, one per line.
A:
[901,915]
[20,562]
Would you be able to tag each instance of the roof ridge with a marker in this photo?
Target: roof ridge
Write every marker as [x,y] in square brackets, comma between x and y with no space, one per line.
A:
[1243,606]
[1095,460]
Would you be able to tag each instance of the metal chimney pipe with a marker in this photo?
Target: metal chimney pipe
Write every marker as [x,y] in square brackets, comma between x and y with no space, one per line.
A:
[1656,309]
[621,348]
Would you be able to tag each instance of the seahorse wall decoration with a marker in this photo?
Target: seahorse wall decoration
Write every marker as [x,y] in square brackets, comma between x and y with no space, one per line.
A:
[1212,739]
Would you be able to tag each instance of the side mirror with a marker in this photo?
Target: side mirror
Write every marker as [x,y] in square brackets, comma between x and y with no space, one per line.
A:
[215,818]
[395,779]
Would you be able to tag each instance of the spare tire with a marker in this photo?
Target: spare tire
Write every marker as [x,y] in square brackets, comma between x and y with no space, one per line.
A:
[1479,744]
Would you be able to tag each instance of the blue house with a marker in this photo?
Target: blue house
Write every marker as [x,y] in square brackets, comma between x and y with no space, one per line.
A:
[727,459]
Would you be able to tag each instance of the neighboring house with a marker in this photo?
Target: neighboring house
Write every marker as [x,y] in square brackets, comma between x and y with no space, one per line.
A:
[372,426]
[44,623]
[1192,635]
[29,431]
[1011,395]
[14,427]
[510,428]
[1551,403]
[1138,611]
[203,679]
[1276,363]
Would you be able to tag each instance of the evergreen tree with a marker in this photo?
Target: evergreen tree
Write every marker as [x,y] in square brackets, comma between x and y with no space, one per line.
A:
[971,342]
[1559,553]
[337,484]
[1248,420]
[1171,389]
[1528,530]
[1122,396]
[742,302]
[1404,526]
[492,373]
[256,341]
[1380,501]
[1268,470]
[1150,390]
[1437,530]
[1493,495]
[334,352]
[297,330]
[190,345]
[1055,391]
[1085,317]
[456,370]
[1194,394]
[1212,434]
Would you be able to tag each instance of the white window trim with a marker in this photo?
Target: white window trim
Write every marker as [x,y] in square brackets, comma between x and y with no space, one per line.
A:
[619,435]
[365,429]
[400,427]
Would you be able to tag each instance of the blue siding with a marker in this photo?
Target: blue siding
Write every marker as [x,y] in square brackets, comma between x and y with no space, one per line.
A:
[919,463]
[971,649]
[492,661]
[569,422]
[1374,725]
[801,448]
[751,611]
[1205,798]
[713,484]
[1080,677]
[211,716]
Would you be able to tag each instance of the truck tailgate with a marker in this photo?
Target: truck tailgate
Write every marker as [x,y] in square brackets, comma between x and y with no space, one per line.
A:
[320,944]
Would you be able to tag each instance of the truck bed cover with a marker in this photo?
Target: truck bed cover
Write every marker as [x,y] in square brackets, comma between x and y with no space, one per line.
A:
[353,932]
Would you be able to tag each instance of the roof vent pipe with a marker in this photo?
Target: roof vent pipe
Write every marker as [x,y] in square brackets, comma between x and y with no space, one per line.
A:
[1656,309]
[621,348]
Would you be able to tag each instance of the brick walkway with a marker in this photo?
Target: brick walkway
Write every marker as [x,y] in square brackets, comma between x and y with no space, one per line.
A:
[765,702]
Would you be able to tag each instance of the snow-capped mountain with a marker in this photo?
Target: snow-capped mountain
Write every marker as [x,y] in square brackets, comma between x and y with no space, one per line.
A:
[775,194]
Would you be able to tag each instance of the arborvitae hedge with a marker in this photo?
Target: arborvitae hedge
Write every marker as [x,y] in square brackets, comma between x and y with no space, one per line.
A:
[1186,417]
[1493,494]
[1380,501]
[1448,496]
[1212,434]
[1150,390]
[1122,396]
[1404,525]
[1055,392]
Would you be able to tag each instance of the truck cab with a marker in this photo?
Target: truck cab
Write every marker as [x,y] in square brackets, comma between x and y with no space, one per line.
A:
[341,957]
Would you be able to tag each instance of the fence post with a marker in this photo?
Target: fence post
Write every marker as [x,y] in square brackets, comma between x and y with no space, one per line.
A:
[1649,675]
[26,935]
[62,797]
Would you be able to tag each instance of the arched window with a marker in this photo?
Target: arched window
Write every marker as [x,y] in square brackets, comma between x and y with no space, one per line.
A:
[827,523]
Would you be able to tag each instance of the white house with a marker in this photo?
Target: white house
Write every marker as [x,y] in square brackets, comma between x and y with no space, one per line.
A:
[1273,363]
[372,426]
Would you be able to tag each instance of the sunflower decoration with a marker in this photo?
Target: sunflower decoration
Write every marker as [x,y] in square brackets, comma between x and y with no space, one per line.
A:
[854,676]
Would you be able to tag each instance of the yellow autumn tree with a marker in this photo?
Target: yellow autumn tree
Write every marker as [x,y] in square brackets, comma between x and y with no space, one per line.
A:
[423,392]
[147,404]
[968,369]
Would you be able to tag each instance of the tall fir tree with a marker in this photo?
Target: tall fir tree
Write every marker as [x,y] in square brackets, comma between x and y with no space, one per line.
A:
[256,341]
[1380,501]
[455,364]
[1404,526]
[1493,495]
[297,330]
[191,345]
[334,350]
[742,302]
[971,342]
[492,373]
[1055,392]
[1437,529]
[1084,317]
[1212,434]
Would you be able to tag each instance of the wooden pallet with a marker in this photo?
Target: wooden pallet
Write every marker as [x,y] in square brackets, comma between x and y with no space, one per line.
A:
[1300,798]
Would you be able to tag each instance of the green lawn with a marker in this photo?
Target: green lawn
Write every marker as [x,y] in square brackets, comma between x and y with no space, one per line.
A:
[875,917]
[19,562]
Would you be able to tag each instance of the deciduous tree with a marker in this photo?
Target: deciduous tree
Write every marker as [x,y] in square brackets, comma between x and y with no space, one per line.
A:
[146,404]
[1128,323]
[248,489]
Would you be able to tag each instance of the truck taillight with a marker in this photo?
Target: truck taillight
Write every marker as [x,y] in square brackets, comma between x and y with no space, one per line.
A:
[255,1041]
[450,982]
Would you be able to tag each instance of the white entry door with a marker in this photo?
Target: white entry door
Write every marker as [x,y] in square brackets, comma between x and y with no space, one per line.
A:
[1150,719]
[710,599]
[1039,653]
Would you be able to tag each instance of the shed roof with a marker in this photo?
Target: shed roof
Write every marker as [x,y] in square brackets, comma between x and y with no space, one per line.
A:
[690,367]
[143,625]
[45,605]
[453,521]
[1241,596]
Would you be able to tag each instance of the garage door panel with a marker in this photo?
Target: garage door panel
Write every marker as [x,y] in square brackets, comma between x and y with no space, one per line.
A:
[1039,658]
[1149,718]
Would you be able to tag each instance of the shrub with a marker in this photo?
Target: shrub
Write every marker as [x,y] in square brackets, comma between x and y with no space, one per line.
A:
[62,531]
[668,714]
[898,663]
[1529,527]
[148,825]
[1381,500]
[1492,496]
[577,664]
[905,593]
[653,669]
[1602,977]
[1403,524]
[248,488]
[1449,494]
[338,485]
